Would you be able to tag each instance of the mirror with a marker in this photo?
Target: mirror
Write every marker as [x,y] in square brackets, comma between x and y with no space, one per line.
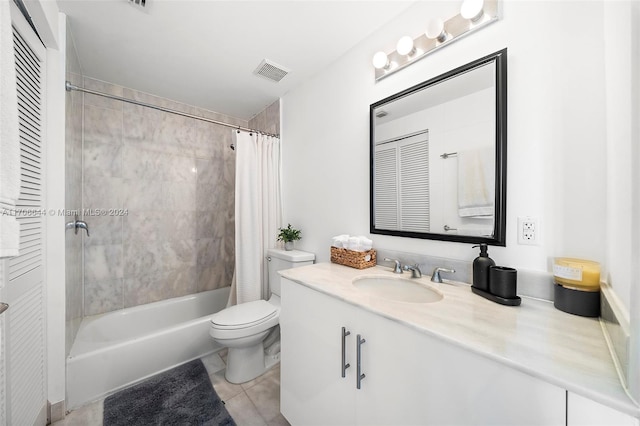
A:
[438,156]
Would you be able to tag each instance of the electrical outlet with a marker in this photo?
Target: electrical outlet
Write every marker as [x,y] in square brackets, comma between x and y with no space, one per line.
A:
[528,231]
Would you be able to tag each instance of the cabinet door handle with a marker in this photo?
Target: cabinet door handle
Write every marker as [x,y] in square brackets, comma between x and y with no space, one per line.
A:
[360,375]
[344,364]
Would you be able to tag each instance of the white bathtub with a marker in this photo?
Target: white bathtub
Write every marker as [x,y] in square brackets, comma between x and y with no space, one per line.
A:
[119,348]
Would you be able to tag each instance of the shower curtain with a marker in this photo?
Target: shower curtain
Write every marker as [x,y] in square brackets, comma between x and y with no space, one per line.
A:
[258,211]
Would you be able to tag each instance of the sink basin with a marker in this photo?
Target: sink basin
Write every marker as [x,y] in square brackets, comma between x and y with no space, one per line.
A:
[397,289]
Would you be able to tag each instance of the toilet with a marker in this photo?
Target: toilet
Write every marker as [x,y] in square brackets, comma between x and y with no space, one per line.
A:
[243,328]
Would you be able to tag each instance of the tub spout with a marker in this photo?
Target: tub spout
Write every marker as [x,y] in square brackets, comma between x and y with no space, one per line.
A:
[77,224]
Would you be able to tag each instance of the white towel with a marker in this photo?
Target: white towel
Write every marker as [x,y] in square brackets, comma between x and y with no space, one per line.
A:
[354,244]
[476,186]
[360,243]
[365,243]
[340,241]
[9,138]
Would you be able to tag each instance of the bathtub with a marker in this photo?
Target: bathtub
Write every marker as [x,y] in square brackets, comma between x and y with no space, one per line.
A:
[116,349]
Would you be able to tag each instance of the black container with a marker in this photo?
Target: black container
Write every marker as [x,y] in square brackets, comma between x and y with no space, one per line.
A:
[481,266]
[513,301]
[503,281]
[577,302]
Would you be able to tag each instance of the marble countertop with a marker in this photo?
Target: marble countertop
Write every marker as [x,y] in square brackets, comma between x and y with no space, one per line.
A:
[563,349]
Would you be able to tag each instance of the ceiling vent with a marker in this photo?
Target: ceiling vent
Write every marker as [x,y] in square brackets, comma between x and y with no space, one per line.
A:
[271,71]
[139,3]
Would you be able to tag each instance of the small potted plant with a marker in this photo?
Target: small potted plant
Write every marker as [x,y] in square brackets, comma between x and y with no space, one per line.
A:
[288,235]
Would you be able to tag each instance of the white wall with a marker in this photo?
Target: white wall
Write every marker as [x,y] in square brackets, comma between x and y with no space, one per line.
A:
[622,26]
[44,14]
[618,81]
[556,133]
[55,244]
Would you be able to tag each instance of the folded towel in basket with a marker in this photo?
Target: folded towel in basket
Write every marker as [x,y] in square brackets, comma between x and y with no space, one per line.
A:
[360,243]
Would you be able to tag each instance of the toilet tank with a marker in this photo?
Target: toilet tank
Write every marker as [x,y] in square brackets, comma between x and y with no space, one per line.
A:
[279,260]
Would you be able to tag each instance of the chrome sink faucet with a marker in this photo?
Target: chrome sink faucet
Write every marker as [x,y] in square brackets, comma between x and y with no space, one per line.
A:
[415,270]
[435,277]
[397,269]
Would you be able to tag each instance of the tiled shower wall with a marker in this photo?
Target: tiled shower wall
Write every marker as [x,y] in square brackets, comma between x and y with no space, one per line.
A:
[165,185]
[73,194]
[268,120]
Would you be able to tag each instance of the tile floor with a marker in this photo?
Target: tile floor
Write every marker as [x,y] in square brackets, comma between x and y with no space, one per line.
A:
[255,403]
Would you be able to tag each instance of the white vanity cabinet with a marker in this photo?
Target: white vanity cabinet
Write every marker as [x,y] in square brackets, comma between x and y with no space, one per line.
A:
[410,377]
[585,412]
[312,391]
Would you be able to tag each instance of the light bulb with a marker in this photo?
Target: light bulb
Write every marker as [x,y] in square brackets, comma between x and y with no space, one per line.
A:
[405,46]
[472,9]
[381,61]
[435,29]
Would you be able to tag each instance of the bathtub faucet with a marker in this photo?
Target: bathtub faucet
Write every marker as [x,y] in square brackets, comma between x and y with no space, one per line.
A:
[77,224]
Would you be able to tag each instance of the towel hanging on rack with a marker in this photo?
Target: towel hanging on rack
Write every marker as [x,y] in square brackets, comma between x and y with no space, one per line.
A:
[476,185]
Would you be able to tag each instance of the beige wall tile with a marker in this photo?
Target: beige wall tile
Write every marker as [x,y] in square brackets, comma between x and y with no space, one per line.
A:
[102,262]
[175,177]
[102,296]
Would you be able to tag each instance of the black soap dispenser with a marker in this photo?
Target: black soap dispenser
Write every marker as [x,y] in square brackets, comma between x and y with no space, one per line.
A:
[481,266]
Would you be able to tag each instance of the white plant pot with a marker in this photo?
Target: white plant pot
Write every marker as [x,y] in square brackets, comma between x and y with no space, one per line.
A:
[288,245]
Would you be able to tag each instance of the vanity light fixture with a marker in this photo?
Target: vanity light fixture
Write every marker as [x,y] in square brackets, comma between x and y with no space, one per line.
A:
[473,10]
[435,30]
[381,61]
[405,46]
[474,14]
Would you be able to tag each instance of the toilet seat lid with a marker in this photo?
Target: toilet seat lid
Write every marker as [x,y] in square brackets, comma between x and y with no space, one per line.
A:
[244,315]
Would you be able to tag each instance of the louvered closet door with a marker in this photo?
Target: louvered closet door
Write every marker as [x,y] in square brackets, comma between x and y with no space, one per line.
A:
[386,186]
[401,187]
[25,356]
[413,183]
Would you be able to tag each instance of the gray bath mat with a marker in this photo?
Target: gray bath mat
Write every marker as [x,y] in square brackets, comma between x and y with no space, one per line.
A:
[181,396]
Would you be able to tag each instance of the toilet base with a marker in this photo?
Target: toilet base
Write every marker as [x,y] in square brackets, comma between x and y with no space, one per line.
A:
[250,364]
[245,364]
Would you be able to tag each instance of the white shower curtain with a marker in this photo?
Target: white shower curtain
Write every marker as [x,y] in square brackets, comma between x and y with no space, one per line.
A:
[258,213]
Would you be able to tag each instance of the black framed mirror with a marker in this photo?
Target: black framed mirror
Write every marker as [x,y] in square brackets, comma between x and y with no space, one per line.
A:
[438,163]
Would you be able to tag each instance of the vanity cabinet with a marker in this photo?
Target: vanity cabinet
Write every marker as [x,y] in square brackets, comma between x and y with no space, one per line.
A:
[409,377]
[585,412]
[315,393]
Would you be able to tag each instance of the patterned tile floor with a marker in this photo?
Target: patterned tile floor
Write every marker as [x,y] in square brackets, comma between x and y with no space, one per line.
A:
[255,403]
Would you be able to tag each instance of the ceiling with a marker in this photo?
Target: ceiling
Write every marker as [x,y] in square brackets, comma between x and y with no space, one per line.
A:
[203,53]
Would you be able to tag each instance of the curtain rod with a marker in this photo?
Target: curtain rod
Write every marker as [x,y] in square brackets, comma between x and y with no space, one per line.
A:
[69,87]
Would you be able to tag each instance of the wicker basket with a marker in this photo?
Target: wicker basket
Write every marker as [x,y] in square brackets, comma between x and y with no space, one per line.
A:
[354,259]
